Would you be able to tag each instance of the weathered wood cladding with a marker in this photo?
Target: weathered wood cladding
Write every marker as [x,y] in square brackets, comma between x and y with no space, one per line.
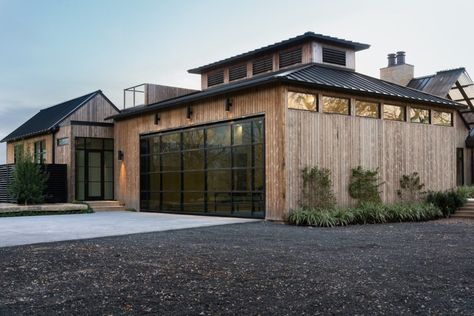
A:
[156,93]
[264,101]
[341,142]
[29,147]
[95,110]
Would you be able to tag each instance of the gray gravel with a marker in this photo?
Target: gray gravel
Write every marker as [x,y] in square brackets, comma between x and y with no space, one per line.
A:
[248,269]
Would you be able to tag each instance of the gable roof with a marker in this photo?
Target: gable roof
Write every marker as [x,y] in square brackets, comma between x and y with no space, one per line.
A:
[284,44]
[311,75]
[46,120]
[438,84]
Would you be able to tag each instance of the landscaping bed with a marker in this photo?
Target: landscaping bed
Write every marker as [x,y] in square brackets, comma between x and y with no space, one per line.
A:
[7,210]
[248,269]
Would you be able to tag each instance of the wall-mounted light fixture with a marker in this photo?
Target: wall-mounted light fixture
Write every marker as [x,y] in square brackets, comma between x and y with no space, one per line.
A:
[189,112]
[120,155]
[228,104]
[157,118]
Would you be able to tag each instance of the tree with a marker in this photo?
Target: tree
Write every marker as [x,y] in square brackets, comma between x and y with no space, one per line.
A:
[317,188]
[29,181]
[364,185]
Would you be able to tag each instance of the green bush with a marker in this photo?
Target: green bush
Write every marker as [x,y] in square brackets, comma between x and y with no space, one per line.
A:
[410,188]
[317,188]
[367,213]
[448,201]
[29,181]
[364,185]
[467,191]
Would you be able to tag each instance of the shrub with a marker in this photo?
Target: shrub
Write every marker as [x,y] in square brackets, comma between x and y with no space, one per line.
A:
[410,188]
[448,201]
[367,213]
[28,181]
[466,191]
[317,188]
[364,185]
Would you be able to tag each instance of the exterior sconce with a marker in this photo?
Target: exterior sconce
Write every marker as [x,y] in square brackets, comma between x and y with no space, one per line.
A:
[228,104]
[189,112]
[120,155]
[157,118]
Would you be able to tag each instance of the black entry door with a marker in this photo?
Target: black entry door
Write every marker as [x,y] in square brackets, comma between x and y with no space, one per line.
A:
[94,175]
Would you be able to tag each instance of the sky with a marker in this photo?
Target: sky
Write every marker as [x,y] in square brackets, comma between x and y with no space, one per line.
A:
[55,50]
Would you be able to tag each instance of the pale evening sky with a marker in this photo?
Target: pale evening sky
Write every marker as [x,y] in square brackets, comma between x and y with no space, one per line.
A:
[55,50]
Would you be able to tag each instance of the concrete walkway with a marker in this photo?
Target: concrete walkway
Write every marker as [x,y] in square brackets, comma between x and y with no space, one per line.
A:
[38,229]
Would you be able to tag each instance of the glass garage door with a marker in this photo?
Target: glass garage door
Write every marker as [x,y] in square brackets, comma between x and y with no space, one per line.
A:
[211,170]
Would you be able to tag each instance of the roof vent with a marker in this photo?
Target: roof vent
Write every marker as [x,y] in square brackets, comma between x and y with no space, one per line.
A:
[262,65]
[290,57]
[237,72]
[334,56]
[215,78]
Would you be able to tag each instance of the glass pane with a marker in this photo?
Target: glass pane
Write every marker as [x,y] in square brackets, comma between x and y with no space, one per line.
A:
[171,142]
[242,203]
[171,162]
[194,181]
[336,105]
[80,191]
[80,172]
[94,159]
[367,109]
[95,174]
[393,112]
[145,164]
[243,180]
[80,158]
[455,94]
[144,200]
[219,180]
[193,139]
[94,143]
[259,184]
[242,156]
[108,144]
[108,159]
[193,201]
[301,101]
[154,203]
[109,190]
[94,189]
[219,158]
[258,131]
[442,118]
[242,133]
[155,145]
[171,201]
[171,181]
[154,163]
[219,202]
[145,182]
[259,153]
[108,174]
[154,182]
[419,116]
[193,160]
[218,136]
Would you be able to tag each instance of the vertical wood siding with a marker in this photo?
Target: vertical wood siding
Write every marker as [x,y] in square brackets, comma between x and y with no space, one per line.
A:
[263,101]
[340,142]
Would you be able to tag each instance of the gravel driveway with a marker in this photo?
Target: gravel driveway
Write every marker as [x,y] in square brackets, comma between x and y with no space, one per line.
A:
[247,269]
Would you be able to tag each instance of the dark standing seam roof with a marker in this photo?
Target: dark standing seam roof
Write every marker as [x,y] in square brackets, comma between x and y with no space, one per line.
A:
[284,44]
[313,75]
[438,84]
[47,119]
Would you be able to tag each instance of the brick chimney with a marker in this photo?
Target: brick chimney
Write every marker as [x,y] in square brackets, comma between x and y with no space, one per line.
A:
[397,70]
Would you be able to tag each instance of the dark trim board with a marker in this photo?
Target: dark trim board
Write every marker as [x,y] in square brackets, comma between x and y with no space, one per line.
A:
[90,123]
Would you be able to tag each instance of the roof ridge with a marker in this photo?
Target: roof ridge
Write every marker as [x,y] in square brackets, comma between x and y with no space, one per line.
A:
[52,106]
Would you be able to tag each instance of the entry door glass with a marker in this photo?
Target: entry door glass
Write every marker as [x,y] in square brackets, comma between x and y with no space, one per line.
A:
[94,174]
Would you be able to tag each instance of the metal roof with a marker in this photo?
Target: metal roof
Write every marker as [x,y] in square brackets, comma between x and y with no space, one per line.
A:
[47,119]
[284,44]
[438,84]
[311,75]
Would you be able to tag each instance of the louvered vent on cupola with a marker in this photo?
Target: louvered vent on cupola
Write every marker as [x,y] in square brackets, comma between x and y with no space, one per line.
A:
[262,65]
[215,78]
[291,57]
[237,72]
[334,56]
